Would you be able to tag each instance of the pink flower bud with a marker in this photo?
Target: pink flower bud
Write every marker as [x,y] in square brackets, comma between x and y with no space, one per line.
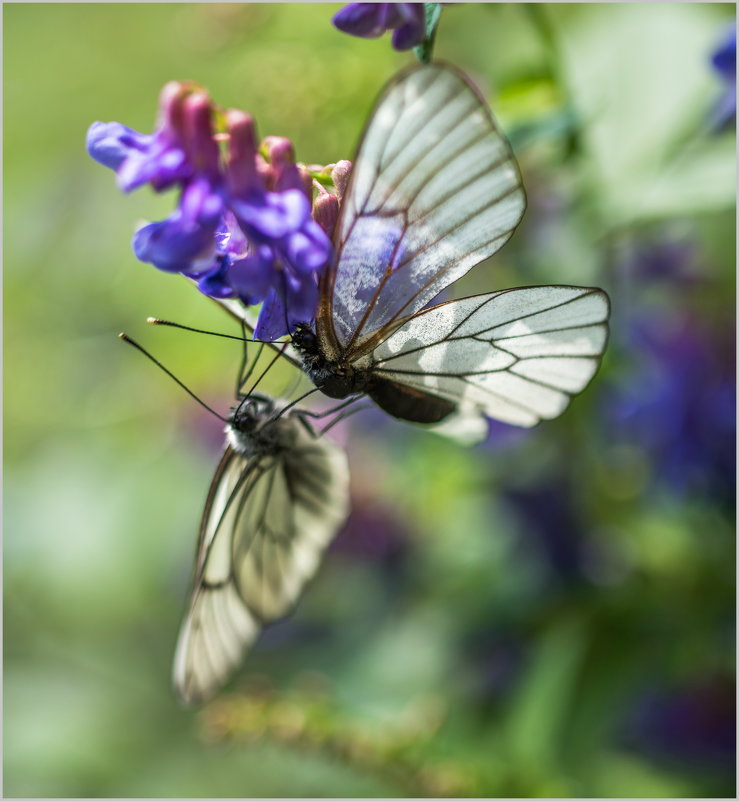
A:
[282,160]
[200,146]
[326,211]
[241,166]
[340,176]
[280,150]
[171,115]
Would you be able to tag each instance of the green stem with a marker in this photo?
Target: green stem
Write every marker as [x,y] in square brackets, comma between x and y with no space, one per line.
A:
[432,14]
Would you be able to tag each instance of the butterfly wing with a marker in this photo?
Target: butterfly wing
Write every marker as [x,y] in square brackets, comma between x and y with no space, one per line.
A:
[434,190]
[517,355]
[266,523]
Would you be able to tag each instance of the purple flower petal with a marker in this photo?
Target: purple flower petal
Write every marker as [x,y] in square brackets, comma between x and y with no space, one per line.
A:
[370,20]
[173,246]
[184,242]
[161,165]
[309,249]
[111,143]
[272,322]
[252,276]
[302,302]
[410,33]
[285,307]
[214,283]
[271,215]
[362,19]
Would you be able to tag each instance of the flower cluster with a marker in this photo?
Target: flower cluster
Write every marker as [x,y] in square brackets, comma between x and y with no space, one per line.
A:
[244,226]
[370,20]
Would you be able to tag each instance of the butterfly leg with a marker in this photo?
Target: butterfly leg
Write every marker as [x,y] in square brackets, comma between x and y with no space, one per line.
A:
[343,416]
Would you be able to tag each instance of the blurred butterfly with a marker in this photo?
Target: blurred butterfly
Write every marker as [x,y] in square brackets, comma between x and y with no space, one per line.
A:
[434,190]
[278,497]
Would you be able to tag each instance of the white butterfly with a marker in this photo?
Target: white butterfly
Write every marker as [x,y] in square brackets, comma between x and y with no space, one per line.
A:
[278,497]
[435,190]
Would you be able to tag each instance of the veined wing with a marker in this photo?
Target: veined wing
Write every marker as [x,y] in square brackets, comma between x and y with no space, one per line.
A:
[282,534]
[434,190]
[517,355]
[218,627]
[265,525]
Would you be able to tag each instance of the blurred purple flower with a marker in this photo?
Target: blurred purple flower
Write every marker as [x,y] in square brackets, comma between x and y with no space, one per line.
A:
[723,61]
[370,20]
[244,229]
[672,260]
[552,522]
[694,723]
[496,657]
[679,402]
[373,532]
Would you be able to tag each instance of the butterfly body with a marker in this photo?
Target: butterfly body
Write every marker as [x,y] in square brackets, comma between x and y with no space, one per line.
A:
[434,190]
[340,378]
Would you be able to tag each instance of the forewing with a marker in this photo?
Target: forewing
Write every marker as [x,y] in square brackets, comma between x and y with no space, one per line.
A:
[434,190]
[517,355]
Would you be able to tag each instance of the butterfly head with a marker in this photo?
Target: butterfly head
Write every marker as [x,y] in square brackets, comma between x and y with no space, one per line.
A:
[305,340]
[251,426]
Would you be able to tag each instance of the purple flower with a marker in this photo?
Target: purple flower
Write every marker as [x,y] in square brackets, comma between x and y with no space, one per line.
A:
[723,60]
[693,723]
[242,228]
[679,402]
[370,20]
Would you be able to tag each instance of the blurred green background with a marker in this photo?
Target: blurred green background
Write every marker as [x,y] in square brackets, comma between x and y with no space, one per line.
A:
[550,613]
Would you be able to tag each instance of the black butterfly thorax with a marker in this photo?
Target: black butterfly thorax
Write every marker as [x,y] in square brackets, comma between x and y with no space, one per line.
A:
[334,378]
[342,378]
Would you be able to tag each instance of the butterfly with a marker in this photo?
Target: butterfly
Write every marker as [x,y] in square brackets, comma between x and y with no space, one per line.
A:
[434,190]
[278,497]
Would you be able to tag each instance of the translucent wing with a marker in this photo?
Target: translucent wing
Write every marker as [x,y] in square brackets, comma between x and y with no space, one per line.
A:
[517,355]
[265,525]
[434,190]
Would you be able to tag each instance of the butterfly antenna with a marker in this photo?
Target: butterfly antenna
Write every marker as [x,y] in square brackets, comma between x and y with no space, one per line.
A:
[158,321]
[244,377]
[263,373]
[148,355]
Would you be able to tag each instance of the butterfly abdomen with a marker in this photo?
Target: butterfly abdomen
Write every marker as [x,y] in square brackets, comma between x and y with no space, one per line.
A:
[408,403]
